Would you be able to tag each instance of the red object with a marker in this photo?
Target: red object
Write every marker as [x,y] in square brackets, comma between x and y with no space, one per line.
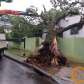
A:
[10,12]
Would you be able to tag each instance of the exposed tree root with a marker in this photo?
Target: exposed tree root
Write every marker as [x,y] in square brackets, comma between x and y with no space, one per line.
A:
[45,56]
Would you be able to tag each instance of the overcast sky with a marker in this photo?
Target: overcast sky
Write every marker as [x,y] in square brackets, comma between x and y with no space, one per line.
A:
[21,5]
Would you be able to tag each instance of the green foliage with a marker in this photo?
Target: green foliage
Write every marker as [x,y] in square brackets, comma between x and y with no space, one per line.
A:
[1,30]
[19,28]
[22,28]
[6,0]
[60,10]
[55,14]
[66,6]
[8,36]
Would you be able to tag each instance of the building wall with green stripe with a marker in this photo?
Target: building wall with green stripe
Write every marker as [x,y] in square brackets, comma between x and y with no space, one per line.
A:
[30,44]
[72,48]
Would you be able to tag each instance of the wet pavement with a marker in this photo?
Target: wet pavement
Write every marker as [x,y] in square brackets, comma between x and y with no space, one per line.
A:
[14,73]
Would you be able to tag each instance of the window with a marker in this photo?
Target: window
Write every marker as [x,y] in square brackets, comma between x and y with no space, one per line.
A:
[74,30]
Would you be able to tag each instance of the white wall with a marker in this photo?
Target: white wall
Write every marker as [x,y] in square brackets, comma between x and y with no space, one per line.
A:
[69,20]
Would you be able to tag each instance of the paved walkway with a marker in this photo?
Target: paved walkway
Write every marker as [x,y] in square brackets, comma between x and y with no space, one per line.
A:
[13,73]
[65,75]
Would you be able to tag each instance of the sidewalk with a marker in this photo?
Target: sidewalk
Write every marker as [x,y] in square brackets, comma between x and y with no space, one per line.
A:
[63,76]
[14,56]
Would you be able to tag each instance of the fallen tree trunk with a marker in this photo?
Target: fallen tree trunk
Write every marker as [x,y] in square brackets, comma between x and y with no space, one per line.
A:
[47,53]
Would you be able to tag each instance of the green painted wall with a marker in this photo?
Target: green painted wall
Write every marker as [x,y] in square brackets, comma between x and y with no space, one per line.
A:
[72,48]
[31,43]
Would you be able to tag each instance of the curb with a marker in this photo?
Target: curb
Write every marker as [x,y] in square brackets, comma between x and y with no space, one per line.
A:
[35,68]
[40,71]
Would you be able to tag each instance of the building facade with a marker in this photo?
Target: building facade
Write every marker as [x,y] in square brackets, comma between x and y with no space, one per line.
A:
[72,42]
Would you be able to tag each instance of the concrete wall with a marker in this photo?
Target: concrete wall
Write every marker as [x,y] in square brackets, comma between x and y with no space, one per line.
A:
[30,44]
[69,20]
[73,49]
[72,46]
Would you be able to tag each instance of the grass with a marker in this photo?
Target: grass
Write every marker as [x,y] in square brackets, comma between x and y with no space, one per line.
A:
[19,52]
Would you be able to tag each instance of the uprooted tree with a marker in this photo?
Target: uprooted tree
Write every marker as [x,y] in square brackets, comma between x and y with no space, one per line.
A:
[49,20]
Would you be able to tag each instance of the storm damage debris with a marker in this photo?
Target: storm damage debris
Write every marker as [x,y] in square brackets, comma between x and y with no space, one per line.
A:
[48,53]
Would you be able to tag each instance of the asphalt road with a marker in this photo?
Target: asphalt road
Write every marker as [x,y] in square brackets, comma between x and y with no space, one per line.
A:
[14,73]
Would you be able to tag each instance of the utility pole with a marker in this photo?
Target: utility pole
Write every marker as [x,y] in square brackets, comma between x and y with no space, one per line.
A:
[0,3]
[24,46]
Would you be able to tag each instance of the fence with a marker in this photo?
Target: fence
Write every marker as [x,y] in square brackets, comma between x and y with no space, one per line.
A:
[30,43]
